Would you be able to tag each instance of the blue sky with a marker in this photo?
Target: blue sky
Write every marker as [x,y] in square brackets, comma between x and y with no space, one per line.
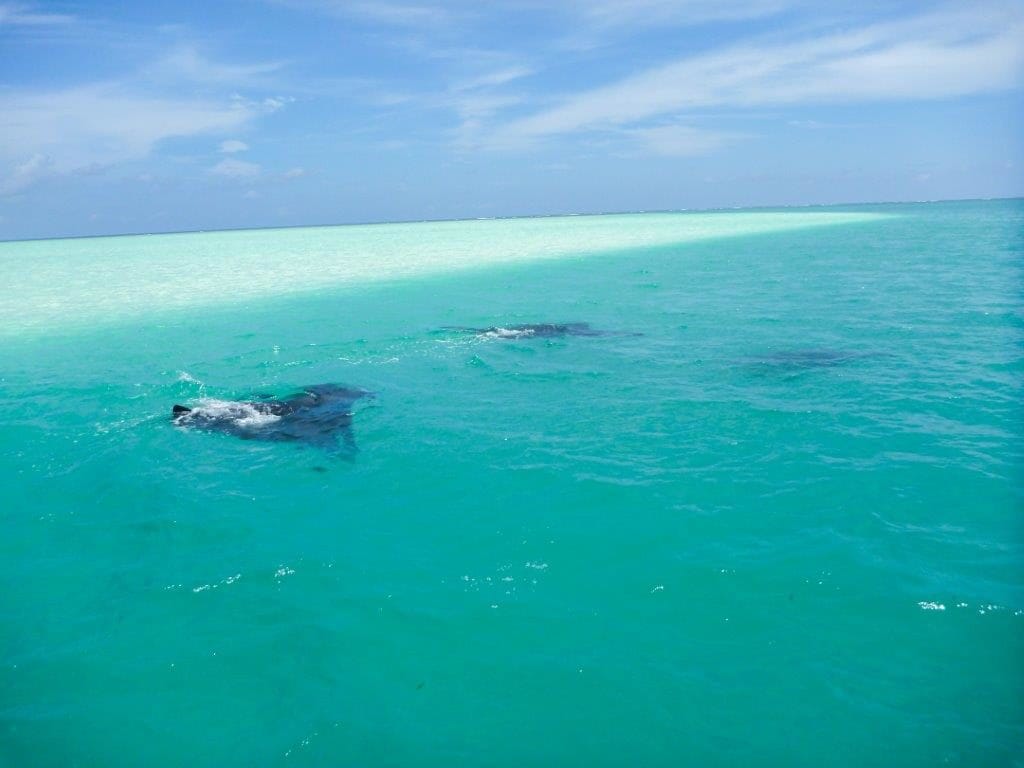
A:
[158,116]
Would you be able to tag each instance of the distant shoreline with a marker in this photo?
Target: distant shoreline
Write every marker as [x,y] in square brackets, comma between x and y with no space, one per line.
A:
[736,209]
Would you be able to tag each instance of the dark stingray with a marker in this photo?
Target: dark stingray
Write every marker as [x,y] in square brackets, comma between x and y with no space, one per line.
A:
[317,416]
[536,331]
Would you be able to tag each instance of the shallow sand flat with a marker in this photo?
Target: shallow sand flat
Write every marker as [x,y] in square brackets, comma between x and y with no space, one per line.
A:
[51,283]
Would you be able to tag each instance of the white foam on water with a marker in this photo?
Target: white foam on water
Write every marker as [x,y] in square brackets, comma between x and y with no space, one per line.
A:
[59,284]
[247,415]
[509,333]
[206,587]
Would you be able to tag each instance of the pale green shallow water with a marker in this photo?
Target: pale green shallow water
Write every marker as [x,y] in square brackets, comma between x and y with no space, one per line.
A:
[622,550]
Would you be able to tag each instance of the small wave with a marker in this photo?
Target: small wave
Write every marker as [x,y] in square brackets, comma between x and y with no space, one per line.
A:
[378,360]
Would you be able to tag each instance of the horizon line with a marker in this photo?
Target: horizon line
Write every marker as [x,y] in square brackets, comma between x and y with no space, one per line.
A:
[724,209]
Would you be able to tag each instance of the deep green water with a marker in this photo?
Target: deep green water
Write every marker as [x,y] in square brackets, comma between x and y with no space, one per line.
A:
[694,546]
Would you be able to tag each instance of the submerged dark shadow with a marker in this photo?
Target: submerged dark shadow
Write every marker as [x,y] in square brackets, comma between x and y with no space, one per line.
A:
[319,416]
[795,361]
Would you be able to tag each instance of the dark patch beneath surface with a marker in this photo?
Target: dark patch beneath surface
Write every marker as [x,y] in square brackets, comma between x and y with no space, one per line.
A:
[809,358]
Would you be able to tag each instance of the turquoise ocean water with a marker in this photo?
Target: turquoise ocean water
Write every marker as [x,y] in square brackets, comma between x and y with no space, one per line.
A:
[781,526]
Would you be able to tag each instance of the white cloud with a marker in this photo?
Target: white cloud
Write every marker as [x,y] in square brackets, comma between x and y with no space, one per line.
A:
[187,63]
[231,168]
[25,173]
[590,15]
[613,13]
[493,79]
[597,22]
[294,173]
[679,140]
[810,124]
[483,105]
[233,145]
[274,103]
[98,125]
[397,14]
[479,98]
[937,56]
[473,111]
[17,14]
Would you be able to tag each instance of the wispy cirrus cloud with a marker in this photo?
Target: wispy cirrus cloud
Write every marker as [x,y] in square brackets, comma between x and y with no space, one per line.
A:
[417,16]
[945,53]
[24,174]
[585,15]
[55,132]
[479,98]
[595,23]
[598,23]
[614,13]
[930,57]
[493,78]
[187,63]
[21,15]
[679,140]
[230,146]
[397,14]
[48,132]
[107,122]
[231,168]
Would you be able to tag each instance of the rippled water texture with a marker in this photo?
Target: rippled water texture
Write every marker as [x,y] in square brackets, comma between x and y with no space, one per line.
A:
[774,518]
